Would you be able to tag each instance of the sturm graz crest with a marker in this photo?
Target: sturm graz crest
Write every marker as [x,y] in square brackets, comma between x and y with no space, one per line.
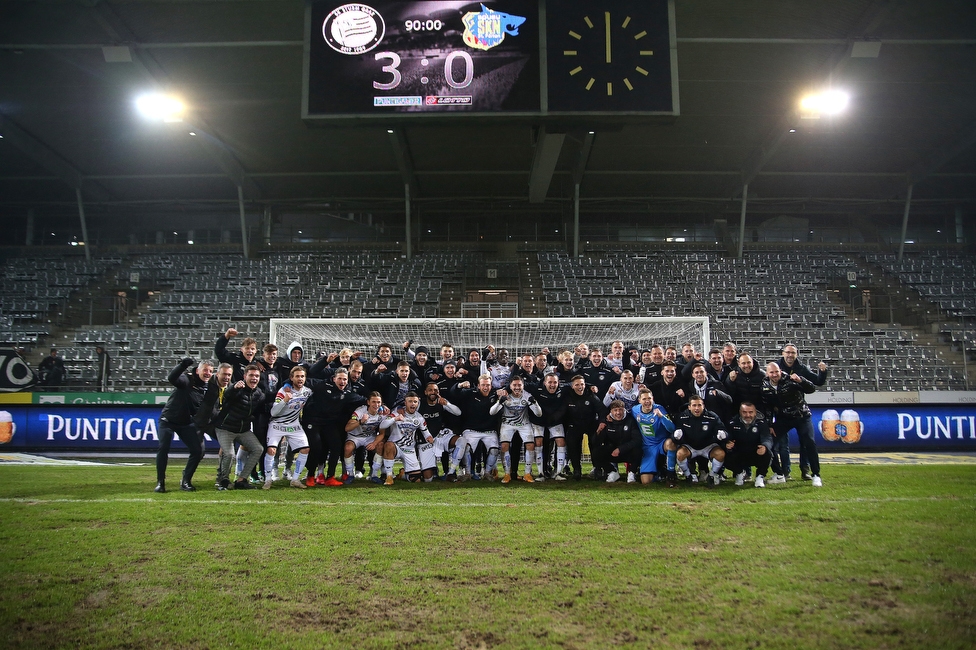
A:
[353,29]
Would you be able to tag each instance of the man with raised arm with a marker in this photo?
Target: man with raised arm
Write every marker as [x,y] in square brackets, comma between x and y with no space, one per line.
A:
[239,361]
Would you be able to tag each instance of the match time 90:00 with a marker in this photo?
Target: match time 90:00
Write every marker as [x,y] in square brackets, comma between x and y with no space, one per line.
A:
[423,25]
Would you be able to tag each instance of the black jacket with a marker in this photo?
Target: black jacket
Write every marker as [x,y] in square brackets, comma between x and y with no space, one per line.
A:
[624,435]
[748,388]
[475,409]
[699,432]
[240,407]
[749,436]
[235,359]
[584,412]
[184,401]
[786,398]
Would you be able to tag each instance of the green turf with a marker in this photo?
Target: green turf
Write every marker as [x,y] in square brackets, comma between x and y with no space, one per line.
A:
[882,556]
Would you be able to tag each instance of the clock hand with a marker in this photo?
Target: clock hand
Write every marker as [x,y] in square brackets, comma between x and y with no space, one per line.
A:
[606,15]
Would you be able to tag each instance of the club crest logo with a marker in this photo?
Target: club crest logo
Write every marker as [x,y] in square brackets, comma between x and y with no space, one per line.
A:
[487,28]
[353,29]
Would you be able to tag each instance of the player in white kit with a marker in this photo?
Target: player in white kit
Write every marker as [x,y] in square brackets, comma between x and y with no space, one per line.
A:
[285,424]
[362,430]
[515,405]
[404,427]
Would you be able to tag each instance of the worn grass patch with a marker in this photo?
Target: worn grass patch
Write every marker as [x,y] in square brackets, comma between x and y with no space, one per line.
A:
[880,557]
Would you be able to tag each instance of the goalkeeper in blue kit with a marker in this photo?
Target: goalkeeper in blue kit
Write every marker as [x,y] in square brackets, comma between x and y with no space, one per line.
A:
[656,430]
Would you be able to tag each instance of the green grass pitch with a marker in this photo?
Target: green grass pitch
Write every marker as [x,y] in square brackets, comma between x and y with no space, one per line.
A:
[880,557]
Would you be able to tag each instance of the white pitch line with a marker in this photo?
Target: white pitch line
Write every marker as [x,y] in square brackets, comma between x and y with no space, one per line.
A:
[441,504]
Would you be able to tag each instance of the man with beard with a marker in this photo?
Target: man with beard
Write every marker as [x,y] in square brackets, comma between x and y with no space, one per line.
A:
[750,444]
[656,429]
[405,428]
[746,384]
[363,429]
[625,390]
[233,421]
[548,428]
[326,415]
[790,366]
[515,405]
[442,420]
[652,362]
[716,399]
[697,434]
[668,391]
[584,417]
[480,424]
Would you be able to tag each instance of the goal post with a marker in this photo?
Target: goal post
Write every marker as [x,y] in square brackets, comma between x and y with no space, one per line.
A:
[517,335]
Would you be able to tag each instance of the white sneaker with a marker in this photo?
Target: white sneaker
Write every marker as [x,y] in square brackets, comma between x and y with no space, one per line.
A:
[288,475]
[715,478]
[359,475]
[613,477]
[298,483]
[631,477]
[559,477]
[817,482]
[777,479]
[760,482]
[275,476]
[740,478]
[267,484]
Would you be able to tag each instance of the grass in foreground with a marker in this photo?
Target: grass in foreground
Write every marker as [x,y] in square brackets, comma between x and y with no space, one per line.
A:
[880,557]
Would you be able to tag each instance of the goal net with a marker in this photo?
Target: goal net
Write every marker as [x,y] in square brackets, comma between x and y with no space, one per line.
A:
[517,335]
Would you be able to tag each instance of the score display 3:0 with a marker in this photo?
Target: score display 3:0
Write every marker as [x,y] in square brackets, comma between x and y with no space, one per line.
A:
[423,25]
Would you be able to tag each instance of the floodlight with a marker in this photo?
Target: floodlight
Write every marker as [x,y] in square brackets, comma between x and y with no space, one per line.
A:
[828,102]
[155,106]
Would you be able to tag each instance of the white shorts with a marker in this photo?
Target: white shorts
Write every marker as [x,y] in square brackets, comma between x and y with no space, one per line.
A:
[700,453]
[294,434]
[426,455]
[409,457]
[555,431]
[361,441]
[442,443]
[490,438]
[525,431]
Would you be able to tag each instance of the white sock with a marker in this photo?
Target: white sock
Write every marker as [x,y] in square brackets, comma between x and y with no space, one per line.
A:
[241,457]
[349,463]
[507,462]
[560,459]
[388,466]
[300,461]
[268,466]
[683,464]
[529,459]
[716,466]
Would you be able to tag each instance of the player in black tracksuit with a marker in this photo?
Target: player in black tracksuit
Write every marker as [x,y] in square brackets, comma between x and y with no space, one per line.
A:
[324,417]
[669,393]
[177,419]
[750,444]
[585,414]
[697,434]
[549,430]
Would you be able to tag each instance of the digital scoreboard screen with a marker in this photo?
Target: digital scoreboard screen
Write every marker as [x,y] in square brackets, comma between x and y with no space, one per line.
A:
[435,56]
[384,58]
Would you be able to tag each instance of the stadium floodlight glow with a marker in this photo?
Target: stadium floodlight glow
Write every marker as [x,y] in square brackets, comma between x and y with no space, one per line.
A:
[828,102]
[159,107]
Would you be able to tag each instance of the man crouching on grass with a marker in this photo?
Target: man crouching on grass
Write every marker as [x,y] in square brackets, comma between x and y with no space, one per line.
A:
[404,426]
[697,433]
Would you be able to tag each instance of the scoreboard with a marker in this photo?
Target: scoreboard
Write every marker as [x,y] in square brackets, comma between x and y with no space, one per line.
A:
[403,58]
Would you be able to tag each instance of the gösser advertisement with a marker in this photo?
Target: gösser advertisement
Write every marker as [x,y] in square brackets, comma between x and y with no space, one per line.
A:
[135,428]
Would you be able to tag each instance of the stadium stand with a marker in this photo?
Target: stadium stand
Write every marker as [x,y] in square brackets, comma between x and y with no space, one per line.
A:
[759,302]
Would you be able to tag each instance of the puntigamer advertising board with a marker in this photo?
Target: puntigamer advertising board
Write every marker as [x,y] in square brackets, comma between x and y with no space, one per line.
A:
[136,428]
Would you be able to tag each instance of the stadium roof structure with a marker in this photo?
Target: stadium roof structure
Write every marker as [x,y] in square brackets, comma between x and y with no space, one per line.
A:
[69,72]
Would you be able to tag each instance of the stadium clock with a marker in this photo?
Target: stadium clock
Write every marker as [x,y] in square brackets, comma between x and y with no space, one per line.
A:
[609,56]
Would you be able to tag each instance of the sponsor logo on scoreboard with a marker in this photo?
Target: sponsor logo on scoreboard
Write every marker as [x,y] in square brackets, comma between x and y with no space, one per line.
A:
[485,29]
[353,29]
[405,100]
[448,100]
